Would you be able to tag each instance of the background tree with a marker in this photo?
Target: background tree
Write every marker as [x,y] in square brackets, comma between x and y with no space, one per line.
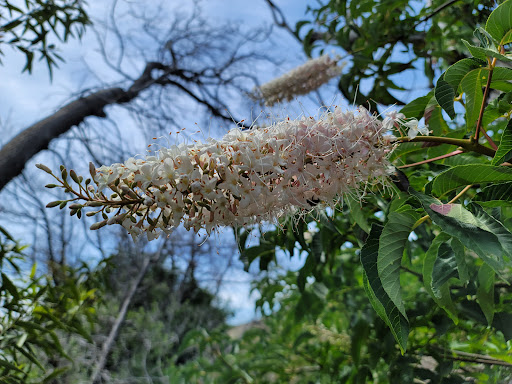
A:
[190,60]
[37,312]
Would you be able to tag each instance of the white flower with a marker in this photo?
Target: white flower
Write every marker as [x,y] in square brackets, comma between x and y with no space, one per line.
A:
[300,81]
[395,119]
[414,128]
[392,117]
[253,175]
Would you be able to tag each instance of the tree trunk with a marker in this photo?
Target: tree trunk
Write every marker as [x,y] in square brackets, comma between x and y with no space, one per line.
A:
[15,154]
[109,343]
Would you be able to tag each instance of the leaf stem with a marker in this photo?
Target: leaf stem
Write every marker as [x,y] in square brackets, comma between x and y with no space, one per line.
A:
[419,222]
[492,64]
[418,275]
[426,217]
[460,194]
[468,144]
[454,153]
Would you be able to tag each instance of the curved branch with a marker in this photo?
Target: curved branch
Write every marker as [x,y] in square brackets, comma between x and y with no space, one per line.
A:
[37,137]
[20,149]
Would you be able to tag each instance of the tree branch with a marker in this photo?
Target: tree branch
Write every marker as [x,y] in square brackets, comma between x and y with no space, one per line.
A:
[109,343]
[37,137]
[468,144]
[19,150]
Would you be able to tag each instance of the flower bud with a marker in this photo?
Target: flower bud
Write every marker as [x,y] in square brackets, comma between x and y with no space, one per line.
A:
[98,225]
[44,168]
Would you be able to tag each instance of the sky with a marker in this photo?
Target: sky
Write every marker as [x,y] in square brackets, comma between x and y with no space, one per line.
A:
[26,98]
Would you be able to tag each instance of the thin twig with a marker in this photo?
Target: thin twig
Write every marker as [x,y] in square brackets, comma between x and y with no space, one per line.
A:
[454,153]
[436,11]
[460,194]
[470,357]
[482,107]
[276,14]
[418,275]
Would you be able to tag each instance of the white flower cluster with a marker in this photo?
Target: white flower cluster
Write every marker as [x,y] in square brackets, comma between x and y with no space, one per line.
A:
[248,176]
[412,125]
[300,81]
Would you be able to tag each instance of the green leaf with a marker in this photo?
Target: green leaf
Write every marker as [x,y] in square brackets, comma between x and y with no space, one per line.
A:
[299,25]
[22,340]
[433,278]
[308,42]
[471,85]
[485,291]
[327,222]
[503,322]
[404,149]
[484,53]
[308,306]
[460,69]
[358,336]
[436,122]
[9,286]
[7,365]
[391,249]
[477,52]
[6,234]
[416,108]
[486,40]
[29,355]
[473,232]
[298,230]
[499,23]
[443,149]
[356,213]
[504,152]
[496,227]
[303,337]
[460,258]
[501,79]
[445,267]
[497,108]
[264,251]
[399,200]
[54,373]
[463,175]
[445,94]
[379,299]
[306,271]
[496,195]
